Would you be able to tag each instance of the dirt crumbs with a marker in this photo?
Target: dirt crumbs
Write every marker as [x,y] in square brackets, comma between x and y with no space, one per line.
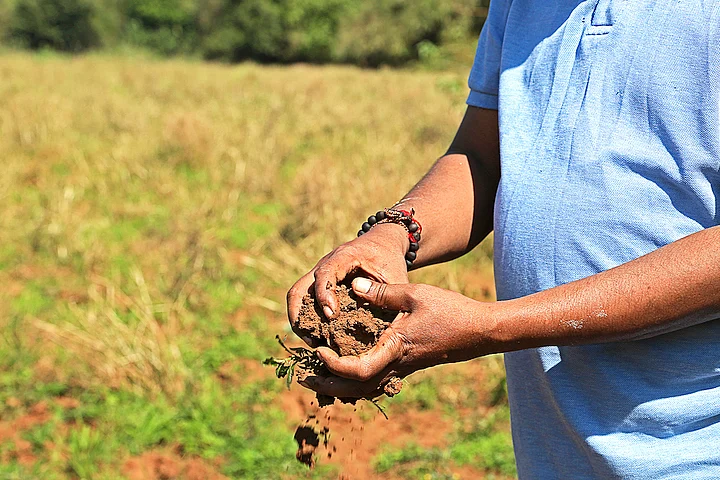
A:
[308,441]
[355,329]
[393,387]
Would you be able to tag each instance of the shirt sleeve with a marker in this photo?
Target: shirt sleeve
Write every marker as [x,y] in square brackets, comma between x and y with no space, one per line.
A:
[485,74]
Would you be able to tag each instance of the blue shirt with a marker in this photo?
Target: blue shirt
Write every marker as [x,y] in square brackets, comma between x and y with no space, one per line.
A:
[610,148]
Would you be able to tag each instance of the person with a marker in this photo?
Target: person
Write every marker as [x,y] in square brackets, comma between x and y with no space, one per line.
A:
[591,146]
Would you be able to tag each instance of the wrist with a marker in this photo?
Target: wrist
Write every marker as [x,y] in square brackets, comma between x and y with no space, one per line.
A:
[392,236]
[403,218]
[515,325]
[494,327]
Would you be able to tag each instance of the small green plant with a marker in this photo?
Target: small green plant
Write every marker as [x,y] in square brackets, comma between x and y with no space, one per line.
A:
[308,361]
[305,358]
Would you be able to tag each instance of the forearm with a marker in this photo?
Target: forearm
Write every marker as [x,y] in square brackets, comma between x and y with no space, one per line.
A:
[454,201]
[671,288]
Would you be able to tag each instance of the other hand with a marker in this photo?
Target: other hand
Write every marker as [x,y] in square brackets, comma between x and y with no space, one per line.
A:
[434,326]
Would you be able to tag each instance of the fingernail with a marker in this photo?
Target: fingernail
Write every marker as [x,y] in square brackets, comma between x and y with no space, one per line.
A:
[328,311]
[362,285]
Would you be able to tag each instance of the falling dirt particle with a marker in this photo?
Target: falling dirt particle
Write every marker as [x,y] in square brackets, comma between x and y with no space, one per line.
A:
[308,440]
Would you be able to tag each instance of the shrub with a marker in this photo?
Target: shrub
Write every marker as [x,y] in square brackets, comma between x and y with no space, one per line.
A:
[276,30]
[164,26]
[369,32]
[6,9]
[64,25]
[390,31]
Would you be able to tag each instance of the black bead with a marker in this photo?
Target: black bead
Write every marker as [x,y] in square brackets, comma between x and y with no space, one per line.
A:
[372,220]
[360,233]
[414,246]
[366,227]
[408,263]
[413,227]
[380,215]
[411,256]
[416,235]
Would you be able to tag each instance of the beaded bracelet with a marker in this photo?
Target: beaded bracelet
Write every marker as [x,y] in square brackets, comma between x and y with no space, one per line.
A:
[401,217]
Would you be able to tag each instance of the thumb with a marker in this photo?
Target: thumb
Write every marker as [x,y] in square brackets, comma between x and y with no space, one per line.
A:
[391,296]
[367,365]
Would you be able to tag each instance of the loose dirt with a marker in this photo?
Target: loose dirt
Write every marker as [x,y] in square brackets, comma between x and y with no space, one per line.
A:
[355,329]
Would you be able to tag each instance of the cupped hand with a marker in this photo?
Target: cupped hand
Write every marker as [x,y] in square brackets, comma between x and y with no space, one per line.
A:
[379,254]
[434,326]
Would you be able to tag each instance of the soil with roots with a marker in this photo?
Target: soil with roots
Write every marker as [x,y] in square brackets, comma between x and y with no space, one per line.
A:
[356,328]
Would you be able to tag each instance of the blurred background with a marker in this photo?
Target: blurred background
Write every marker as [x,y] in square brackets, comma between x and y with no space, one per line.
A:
[169,169]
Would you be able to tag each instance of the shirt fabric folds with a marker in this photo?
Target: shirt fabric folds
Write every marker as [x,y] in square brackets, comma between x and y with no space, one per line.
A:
[610,148]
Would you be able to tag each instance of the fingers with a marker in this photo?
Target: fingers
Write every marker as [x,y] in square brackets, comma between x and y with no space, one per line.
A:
[295,296]
[294,303]
[368,365]
[390,296]
[340,387]
[326,277]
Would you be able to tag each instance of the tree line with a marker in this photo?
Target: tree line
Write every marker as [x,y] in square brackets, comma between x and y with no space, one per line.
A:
[363,32]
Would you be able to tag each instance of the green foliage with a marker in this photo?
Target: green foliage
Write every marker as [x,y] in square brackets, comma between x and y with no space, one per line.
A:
[369,33]
[486,445]
[394,31]
[64,25]
[6,10]
[164,26]
[285,367]
[277,30]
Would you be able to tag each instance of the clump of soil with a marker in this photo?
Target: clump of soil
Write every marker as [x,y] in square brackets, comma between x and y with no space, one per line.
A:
[393,387]
[308,441]
[355,329]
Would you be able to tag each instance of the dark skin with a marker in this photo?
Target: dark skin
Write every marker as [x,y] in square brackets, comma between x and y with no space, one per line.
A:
[672,288]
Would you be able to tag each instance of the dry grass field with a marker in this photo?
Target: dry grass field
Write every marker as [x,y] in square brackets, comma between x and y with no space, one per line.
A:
[153,214]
